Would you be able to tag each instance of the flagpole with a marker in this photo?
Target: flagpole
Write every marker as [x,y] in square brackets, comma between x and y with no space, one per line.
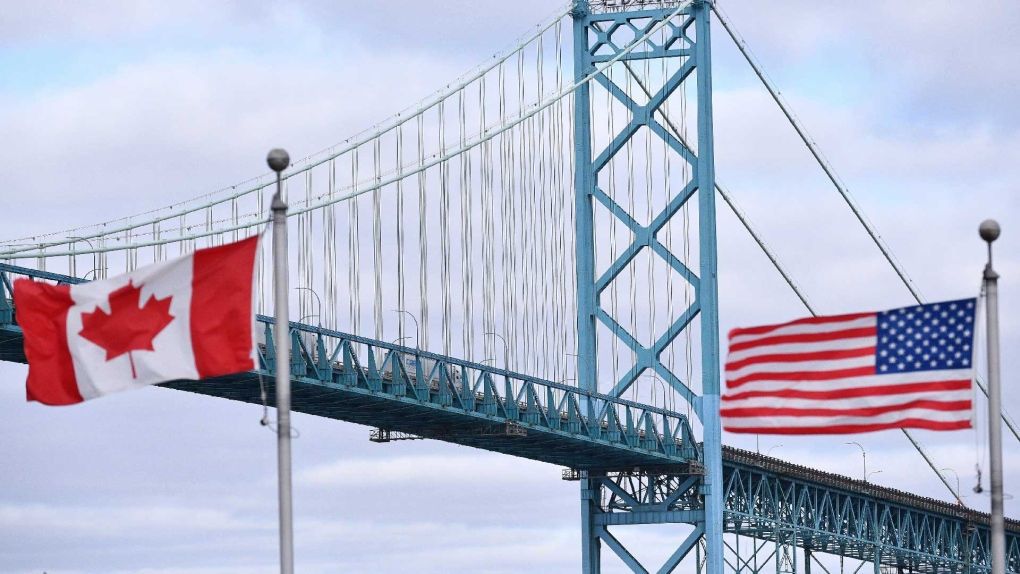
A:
[278,161]
[989,231]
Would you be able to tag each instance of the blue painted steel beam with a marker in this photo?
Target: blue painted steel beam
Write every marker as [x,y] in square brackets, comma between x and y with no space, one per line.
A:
[708,294]
[785,504]
[769,499]
[598,37]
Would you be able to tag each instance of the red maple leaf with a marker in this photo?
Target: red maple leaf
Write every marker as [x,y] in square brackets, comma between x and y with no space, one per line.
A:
[129,326]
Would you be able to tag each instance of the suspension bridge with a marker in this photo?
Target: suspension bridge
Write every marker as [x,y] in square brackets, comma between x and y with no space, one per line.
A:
[525,262]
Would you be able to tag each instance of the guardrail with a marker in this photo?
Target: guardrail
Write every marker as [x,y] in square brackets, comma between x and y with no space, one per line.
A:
[337,358]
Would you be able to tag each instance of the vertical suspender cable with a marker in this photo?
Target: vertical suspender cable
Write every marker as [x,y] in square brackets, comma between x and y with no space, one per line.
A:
[444,230]
[127,256]
[353,250]
[614,291]
[668,235]
[261,271]
[309,253]
[506,222]
[211,240]
[401,289]
[302,261]
[423,244]
[650,282]
[558,220]
[466,248]
[488,281]
[529,238]
[513,247]
[571,247]
[523,232]
[330,294]
[182,244]
[157,256]
[542,192]
[104,262]
[233,218]
[377,240]
[632,209]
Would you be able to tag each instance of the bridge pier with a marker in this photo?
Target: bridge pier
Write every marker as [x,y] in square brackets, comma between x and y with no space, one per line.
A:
[591,545]
[632,498]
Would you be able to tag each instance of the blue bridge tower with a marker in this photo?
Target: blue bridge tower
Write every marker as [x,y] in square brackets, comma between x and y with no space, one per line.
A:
[677,32]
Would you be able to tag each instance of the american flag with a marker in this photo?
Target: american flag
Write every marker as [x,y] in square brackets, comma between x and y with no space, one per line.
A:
[905,368]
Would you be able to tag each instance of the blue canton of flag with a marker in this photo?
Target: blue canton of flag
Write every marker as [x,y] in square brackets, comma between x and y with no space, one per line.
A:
[933,337]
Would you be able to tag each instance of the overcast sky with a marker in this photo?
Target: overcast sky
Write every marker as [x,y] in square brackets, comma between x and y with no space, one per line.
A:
[113,107]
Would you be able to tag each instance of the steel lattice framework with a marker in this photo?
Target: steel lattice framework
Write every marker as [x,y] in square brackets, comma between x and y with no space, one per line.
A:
[793,505]
[600,35]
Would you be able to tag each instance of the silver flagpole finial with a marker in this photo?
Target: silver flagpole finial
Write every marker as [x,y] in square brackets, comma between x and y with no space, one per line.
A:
[278,159]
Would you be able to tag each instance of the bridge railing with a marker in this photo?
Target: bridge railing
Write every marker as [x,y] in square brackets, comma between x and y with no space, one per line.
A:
[334,358]
[337,358]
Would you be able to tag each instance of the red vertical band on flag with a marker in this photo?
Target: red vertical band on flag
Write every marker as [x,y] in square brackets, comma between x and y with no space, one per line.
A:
[42,315]
[221,308]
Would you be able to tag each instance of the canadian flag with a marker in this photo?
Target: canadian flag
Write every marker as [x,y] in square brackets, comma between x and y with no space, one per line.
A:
[188,318]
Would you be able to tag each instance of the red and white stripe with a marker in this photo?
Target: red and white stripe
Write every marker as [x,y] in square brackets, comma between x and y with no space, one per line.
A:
[817,376]
[211,333]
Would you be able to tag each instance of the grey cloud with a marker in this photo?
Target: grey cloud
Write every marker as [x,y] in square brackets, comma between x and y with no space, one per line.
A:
[939,64]
[169,129]
[62,20]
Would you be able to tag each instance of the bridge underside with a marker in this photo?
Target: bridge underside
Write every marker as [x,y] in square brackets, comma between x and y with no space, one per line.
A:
[404,410]
[414,419]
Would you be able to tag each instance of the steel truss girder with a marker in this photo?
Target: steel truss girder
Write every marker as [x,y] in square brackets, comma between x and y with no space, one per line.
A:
[852,523]
[629,498]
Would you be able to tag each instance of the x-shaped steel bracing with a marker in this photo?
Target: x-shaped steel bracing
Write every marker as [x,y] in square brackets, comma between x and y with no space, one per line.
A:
[645,236]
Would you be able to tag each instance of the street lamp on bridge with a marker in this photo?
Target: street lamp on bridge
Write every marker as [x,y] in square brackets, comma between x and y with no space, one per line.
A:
[864,459]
